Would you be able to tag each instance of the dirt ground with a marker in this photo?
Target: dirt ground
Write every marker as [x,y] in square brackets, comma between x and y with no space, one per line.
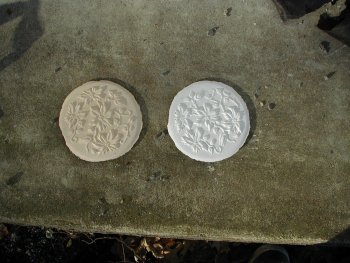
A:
[35,244]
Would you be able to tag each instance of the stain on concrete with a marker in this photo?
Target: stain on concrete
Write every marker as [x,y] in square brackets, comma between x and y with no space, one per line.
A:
[325,46]
[126,199]
[212,32]
[14,179]
[329,75]
[103,206]
[228,11]
[211,168]
[2,113]
[55,120]
[262,103]
[80,32]
[162,134]
[166,72]
[272,105]
[157,176]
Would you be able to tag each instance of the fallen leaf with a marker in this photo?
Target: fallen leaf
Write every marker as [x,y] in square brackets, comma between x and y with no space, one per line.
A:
[3,231]
[69,243]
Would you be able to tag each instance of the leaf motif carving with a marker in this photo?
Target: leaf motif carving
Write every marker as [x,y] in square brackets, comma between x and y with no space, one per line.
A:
[75,115]
[100,120]
[208,120]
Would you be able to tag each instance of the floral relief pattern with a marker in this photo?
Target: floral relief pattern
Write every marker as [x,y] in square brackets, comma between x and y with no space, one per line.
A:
[208,120]
[100,119]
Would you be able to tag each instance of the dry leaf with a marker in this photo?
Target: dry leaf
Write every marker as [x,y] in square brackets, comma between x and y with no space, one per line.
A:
[3,231]
[69,243]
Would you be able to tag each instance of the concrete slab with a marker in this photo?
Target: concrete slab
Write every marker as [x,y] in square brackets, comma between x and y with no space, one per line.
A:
[289,184]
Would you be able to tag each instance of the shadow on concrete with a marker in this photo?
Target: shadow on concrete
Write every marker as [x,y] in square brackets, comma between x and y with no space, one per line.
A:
[140,101]
[342,238]
[290,9]
[248,101]
[336,26]
[27,32]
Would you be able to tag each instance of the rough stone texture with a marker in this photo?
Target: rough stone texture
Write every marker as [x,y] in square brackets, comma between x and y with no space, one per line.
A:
[289,184]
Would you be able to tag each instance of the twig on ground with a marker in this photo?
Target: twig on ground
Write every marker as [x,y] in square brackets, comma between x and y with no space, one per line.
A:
[110,238]
[122,249]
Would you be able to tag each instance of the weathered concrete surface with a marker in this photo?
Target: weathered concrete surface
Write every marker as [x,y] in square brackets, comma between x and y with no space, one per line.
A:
[289,184]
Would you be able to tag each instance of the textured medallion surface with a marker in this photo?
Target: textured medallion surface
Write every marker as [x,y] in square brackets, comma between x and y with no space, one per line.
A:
[100,121]
[208,121]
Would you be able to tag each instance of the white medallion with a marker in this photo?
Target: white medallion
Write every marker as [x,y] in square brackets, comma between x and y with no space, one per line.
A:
[208,121]
[100,121]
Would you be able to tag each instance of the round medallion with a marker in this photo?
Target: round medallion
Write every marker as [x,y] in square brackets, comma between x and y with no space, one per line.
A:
[208,121]
[100,121]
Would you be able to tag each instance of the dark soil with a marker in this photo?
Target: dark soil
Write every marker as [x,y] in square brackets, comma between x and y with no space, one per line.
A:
[35,244]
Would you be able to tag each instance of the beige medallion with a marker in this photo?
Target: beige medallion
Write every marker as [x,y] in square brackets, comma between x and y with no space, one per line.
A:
[100,121]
